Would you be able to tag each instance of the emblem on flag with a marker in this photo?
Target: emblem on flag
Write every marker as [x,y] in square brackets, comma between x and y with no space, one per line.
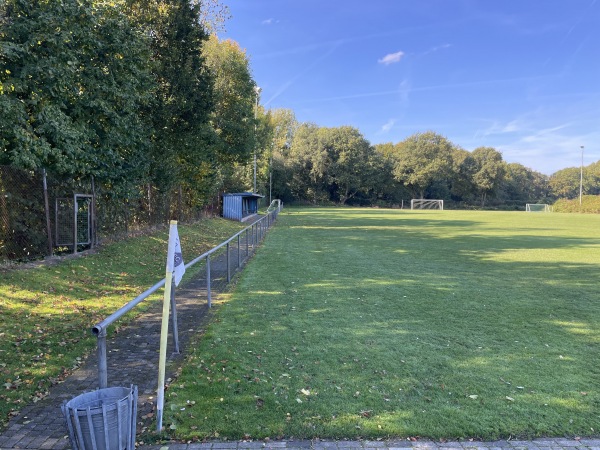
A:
[175,263]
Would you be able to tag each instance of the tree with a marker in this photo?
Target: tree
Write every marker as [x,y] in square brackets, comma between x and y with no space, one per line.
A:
[283,124]
[422,160]
[591,180]
[74,78]
[463,168]
[489,171]
[183,139]
[308,163]
[523,185]
[565,183]
[348,153]
[234,100]
[385,187]
[213,15]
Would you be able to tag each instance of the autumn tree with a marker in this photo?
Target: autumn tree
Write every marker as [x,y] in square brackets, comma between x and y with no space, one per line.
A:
[234,100]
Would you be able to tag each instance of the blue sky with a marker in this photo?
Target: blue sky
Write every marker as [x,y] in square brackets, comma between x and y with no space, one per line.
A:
[522,76]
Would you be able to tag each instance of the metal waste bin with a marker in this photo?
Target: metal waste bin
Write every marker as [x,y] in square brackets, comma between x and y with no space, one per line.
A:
[102,420]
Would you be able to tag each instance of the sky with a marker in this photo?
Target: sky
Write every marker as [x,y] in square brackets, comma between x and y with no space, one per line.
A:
[522,76]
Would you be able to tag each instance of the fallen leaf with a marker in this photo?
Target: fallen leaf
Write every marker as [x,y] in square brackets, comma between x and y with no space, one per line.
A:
[510,399]
[474,397]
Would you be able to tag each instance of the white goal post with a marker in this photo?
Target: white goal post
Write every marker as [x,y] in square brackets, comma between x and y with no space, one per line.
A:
[537,207]
[423,203]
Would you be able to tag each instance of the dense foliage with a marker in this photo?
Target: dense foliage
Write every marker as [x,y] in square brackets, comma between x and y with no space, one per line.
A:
[120,91]
[71,90]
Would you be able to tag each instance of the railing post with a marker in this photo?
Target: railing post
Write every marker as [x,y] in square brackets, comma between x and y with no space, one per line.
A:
[174,319]
[102,365]
[208,280]
[228,269]
[247,245]
[239,253]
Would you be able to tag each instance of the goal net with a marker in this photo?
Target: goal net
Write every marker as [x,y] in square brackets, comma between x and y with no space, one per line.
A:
[417,203]
[537,207]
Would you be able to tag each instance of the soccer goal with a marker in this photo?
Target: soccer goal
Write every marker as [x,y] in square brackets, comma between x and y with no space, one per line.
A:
[420,203]
[537,207]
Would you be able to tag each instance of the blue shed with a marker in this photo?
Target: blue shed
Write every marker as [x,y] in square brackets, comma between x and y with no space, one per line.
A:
[240,206]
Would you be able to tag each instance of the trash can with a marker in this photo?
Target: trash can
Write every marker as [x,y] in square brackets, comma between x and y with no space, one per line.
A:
[102,420]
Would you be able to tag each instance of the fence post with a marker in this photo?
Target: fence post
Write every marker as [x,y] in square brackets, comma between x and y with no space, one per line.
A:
[94,231]
[228,270]
[247,245]
[75,208]
[208,280]
[47,206]
[102,365]
[239,253]
[174,319]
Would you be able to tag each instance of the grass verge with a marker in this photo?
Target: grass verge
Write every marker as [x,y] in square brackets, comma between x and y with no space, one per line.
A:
[354,323]
[46,312]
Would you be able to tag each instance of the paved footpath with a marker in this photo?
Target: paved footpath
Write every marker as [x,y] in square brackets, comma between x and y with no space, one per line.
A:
[133,358]
[537,444]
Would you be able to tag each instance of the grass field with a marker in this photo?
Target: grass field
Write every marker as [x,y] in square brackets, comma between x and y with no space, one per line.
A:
[373,323]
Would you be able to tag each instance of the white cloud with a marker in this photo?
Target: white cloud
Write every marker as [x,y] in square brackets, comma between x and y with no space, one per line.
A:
[437,48]
[388,126]
[391,58]
[269,21]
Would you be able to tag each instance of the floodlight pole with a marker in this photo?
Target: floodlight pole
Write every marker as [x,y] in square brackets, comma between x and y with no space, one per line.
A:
[257,92]
[581,179]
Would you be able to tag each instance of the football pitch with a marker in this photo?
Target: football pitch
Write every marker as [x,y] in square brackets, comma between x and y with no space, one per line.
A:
[367,323]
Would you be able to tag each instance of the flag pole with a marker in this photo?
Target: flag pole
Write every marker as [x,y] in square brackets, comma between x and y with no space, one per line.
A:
[164,333]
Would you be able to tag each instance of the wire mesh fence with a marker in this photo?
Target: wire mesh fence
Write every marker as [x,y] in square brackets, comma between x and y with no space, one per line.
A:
[43,213]
[23,231]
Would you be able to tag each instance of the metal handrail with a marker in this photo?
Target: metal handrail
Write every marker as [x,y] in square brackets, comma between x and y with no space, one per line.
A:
[100,328]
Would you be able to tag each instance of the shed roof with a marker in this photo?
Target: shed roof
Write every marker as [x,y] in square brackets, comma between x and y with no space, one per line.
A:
[243,194]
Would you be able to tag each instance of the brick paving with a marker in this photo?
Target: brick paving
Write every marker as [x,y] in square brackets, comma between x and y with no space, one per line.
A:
[536,444]
[133,359]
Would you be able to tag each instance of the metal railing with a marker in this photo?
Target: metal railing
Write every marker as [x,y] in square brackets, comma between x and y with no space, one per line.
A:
[253,235]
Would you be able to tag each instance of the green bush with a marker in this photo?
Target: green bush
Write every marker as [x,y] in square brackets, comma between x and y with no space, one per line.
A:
[590,204]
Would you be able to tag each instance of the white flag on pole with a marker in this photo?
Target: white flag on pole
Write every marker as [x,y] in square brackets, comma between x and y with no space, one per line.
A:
[175,263]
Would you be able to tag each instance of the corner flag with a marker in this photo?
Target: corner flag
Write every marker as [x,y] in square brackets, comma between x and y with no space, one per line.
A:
[175,270]
[175,263]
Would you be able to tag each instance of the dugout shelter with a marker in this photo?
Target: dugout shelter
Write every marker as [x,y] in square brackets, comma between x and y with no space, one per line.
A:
[240,206]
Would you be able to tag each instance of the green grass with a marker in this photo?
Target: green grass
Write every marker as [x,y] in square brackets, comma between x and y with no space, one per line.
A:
[46,312]
[361,323]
